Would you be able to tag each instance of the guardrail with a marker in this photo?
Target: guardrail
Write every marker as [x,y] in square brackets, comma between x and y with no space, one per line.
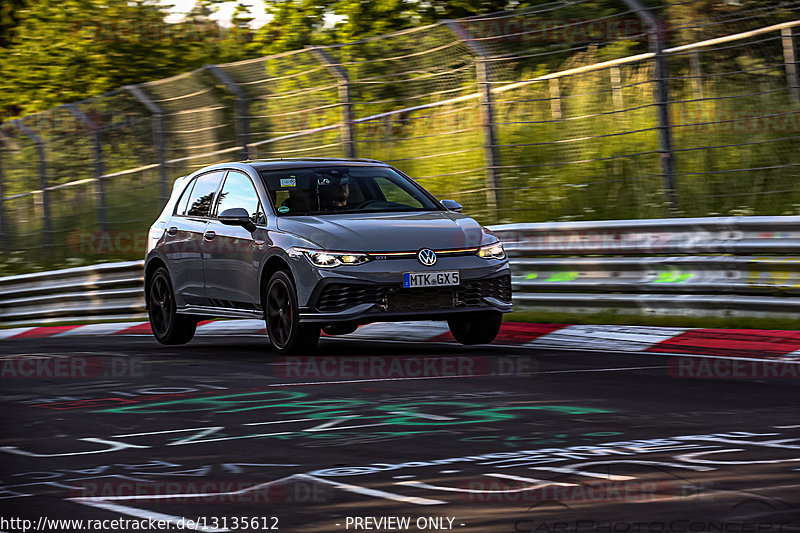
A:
[110,291]
[721,266]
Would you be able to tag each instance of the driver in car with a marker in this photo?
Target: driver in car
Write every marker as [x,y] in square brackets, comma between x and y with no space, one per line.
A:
[333,192]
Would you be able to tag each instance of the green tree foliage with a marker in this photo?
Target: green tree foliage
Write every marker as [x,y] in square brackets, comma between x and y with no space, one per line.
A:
[297,23]
[57,51]
[705,19]
[9,18]
[69,50]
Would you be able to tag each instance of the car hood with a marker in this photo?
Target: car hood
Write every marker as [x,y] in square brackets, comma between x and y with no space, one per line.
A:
[386,232]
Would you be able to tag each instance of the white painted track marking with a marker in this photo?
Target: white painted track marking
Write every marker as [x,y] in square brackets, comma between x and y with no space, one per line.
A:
[531,480]
[624,338]
[373,492]
[428,486]
[98,329]
[102,502]
[599,475]
[409,331]
[225,327]
[6,333]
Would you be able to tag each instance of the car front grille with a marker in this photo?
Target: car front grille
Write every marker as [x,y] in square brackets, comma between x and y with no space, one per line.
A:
[338,296]
[392,298]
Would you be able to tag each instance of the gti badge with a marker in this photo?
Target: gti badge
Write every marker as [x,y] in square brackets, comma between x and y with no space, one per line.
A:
[426,256]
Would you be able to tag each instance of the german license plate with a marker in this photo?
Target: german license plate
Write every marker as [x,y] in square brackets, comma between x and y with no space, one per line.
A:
[430,279]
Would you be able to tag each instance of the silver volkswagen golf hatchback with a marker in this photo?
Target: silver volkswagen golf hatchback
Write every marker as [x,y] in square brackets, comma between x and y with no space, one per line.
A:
[312,245]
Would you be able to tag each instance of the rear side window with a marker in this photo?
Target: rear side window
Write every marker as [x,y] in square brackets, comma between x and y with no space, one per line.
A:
[180,208]
[201,198]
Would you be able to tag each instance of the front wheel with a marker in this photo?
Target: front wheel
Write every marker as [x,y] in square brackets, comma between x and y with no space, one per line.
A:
[286,333]
[476,328]
[167,325]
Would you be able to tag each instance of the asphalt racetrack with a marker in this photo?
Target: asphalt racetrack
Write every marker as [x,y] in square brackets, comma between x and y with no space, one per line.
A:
[222,434]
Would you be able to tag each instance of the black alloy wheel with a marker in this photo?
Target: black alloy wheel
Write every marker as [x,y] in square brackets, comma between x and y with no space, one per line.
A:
[286,333]
[168,326]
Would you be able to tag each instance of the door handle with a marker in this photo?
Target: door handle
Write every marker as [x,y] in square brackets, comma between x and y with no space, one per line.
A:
[209,235]
[172,231]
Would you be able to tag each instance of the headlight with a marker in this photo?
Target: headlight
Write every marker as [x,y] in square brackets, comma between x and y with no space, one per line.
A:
[325,259]
[492,251]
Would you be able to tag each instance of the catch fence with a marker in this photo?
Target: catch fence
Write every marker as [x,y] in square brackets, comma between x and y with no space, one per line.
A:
[565,111]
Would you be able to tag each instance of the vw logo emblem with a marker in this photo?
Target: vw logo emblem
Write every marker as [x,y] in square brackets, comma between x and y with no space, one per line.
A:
[426,256]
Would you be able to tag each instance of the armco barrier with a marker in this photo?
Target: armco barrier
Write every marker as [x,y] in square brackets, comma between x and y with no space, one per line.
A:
[721,266]
[104,291]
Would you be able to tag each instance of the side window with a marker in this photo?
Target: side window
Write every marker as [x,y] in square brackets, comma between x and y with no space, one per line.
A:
[238,191]
[199,204]
[180,207]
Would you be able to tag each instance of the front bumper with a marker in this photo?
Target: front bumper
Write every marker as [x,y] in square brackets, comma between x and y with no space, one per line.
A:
[338,300]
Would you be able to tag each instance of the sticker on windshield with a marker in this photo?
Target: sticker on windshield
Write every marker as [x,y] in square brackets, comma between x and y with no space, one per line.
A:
[288,182]
[283,209]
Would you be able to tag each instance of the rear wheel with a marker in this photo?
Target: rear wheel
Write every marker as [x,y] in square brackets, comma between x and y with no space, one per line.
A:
[476,328]
[167,325]
[286,333]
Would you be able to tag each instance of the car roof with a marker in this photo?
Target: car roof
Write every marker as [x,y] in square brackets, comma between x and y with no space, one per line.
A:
[274,164]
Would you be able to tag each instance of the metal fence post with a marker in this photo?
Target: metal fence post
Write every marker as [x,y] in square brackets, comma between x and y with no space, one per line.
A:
[555,99]
[348,126]
[47,225]
[491,154]
[242,107]
[4,233]
[159,137]
[697,81]
[99,166]
[616,88]
[656,34]
[790,58]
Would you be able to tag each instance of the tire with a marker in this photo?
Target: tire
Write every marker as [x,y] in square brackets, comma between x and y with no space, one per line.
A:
[476,328]
[168,326]
[340,328]
[286,333]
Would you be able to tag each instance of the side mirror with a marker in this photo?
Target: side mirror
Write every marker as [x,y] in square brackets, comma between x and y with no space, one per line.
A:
[237,216]
[452,205]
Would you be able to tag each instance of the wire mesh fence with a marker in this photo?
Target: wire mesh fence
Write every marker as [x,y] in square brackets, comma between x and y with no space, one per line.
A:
[583,110]
[292,105]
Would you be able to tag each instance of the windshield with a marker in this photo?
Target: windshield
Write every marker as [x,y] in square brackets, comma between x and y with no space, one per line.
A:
[343,189]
